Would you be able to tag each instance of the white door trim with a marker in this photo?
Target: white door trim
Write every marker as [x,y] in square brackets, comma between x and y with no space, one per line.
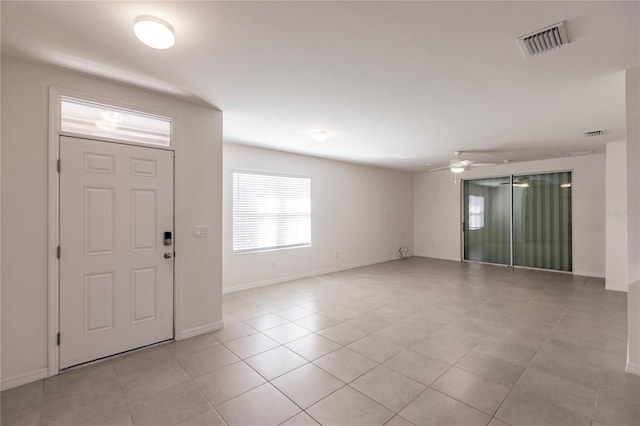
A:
[53,238]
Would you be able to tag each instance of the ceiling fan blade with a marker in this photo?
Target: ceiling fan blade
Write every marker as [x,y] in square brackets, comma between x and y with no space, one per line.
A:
[464,163]
[440,168]
[482,164]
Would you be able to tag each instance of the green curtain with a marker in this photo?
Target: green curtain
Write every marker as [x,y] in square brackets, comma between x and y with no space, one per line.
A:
[541,220]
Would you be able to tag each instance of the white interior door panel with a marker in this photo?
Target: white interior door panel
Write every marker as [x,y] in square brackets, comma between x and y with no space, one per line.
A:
[116,274]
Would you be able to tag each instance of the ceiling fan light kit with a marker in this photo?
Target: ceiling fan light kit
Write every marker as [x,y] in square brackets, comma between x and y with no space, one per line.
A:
[457,165]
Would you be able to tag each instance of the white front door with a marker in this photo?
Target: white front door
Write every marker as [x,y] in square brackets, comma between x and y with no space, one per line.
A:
[116,273]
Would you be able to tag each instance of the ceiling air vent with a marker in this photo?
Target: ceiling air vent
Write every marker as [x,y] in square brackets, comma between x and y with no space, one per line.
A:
[544,40]
[594,133]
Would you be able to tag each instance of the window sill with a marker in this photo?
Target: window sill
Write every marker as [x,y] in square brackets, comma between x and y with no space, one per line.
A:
[271,249]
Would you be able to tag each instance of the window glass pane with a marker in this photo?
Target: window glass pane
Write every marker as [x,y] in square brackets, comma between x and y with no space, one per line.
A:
[542,221]
[487,220]
[270,211]
[91,119]
[476,212]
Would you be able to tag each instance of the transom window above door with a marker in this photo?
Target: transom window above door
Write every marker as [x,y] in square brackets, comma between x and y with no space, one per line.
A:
[105,121]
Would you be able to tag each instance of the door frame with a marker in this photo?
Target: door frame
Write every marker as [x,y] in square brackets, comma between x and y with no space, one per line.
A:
[53,206]
[462,222]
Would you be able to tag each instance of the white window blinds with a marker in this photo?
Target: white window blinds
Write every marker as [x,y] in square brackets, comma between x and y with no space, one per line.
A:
[270,211]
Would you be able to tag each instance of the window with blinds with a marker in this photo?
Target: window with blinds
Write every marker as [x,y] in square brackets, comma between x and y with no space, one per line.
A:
[270,211]
[476,212]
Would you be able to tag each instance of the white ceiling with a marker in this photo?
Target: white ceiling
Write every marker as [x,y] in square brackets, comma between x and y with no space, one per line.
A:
[397,84]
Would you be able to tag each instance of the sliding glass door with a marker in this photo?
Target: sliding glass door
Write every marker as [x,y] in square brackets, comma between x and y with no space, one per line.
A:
[522,220]
[542,221]
[487,220]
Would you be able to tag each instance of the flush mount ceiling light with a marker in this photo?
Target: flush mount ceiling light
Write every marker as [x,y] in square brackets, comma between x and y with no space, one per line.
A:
[319,135]
[154,32]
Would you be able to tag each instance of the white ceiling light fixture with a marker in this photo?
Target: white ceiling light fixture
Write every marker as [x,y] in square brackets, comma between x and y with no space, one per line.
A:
[319,135]
[457,169]
[154,32]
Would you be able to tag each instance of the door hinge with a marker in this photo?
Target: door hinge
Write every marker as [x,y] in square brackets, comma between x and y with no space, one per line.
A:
[58,339]
[58,166]
[58,252]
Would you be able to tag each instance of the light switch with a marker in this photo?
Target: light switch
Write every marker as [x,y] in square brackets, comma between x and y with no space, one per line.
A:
[200,232]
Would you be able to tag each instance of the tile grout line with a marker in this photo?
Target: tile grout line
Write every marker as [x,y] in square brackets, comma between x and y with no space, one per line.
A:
[406,348]
[427,386]
[41,405]
[491,416]
[430,386]
[208,402]
[267,381]
[600,380]
[529,363]
[442,374]
[126,403]
[565,311]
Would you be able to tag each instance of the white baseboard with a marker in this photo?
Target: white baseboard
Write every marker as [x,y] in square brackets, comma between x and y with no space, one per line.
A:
[453,259]
[633,368]
[202,329]
[23,379]
[590,274]
[247,286]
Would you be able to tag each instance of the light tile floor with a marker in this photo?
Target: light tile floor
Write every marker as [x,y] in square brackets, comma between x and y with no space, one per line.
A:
[418,341]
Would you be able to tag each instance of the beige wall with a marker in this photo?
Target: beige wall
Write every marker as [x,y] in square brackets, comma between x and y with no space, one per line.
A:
[633,162]
[363,213]
[437,209]
[198,140]
[617,273]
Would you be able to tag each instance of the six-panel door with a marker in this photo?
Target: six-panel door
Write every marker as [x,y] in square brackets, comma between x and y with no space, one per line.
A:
[116,274]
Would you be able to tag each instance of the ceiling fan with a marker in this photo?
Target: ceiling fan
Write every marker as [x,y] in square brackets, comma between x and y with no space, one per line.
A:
[457,165]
